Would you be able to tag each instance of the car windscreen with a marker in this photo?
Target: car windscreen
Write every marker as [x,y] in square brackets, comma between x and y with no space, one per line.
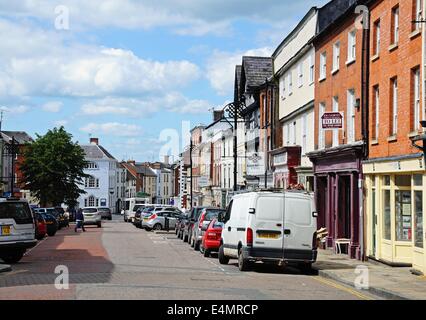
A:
[104,209]
[18,211]
[136,207]
[211,214]
[53,212]
[217,225]
[90,210]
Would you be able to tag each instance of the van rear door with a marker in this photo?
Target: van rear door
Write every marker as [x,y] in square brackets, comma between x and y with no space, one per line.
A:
[299,227]
[268,222]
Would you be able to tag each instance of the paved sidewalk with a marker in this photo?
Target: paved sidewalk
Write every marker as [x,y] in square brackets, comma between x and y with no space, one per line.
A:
[384,281]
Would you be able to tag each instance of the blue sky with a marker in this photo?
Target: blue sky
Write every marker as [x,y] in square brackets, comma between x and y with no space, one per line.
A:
[125,70]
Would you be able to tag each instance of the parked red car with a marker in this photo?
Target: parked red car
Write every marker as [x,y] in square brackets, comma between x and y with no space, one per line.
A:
[211,238]
[41,227]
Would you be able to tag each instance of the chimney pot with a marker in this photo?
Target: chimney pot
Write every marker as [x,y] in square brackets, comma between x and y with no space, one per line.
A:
[94,141]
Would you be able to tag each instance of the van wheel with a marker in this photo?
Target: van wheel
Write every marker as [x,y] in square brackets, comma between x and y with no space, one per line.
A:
[12,257]
[222,258]
[243,264]
[306,268]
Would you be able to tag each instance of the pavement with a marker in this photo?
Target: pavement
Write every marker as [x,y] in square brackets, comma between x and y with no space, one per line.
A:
[383,280]
[119,261]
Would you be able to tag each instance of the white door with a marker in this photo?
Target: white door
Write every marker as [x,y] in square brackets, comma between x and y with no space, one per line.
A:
[268,224]
[299,223]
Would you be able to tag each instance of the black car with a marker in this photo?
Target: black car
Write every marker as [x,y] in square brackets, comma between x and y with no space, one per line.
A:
[51,224]
[189,223]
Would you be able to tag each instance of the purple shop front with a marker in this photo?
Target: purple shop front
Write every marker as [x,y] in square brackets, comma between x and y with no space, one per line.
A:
[337,174]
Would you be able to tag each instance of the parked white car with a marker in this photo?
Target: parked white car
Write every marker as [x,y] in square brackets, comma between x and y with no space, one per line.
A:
[17,229]
[92,216]
[278,227]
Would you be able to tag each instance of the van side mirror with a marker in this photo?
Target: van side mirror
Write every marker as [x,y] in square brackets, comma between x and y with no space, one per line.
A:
[315,214]
[252,211]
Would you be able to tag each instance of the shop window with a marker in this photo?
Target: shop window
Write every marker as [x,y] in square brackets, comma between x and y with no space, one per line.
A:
[403,217]
[418,180]
[418,219]
[387,215]
[403,181]
[386,180]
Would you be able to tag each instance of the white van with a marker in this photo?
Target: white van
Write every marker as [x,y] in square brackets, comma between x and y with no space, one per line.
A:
[277,227]
[17,229]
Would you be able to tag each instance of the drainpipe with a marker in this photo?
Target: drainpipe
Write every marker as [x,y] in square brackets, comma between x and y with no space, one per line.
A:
[423,69]
[365,70]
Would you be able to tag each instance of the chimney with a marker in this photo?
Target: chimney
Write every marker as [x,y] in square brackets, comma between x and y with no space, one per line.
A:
[94,141]
[132,162]
[167,159]
[217,115]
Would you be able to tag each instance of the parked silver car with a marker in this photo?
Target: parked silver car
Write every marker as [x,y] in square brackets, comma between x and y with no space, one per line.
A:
[206,216]
[92,216]
[157,220]
[105,213]
[149,212]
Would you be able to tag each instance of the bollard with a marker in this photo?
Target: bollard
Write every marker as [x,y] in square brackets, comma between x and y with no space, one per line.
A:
[166,224]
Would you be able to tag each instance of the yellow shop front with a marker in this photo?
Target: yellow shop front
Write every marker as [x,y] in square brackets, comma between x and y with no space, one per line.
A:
[395,201]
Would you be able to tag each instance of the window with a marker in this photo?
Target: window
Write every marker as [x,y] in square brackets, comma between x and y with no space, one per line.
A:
[304,132]
[403,223]
[387,215]
[293,133]
[321,135]
[352,46]
[376,35]
[300,74]
[416,99]
[335,131]
[287,134]
[323,65]
[394,106]
[91,165]
[336,56]
[311,68]
[395,26]
[418,219]
[92,202]
[351,116]
[417,14]
[282,86]
[376,112]
[290,82]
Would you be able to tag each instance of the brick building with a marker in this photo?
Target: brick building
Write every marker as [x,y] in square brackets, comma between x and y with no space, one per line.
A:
[394,172]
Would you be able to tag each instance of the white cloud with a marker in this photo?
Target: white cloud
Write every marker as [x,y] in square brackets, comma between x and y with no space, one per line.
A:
[53,106]
[112,129]
[138,107]
[221,67]
[50,65]
[15,110]
[193,17]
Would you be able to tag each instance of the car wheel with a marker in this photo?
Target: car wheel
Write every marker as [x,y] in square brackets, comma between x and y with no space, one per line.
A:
[110,218]
[51,234]
[125,220]
[40,237]
[243,264]
[185,238]
[206,253]
[99,225]
[196,245]
[12,257]
[222,258]
[157,227]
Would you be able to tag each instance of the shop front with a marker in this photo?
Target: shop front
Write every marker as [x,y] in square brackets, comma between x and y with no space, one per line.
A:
[338,173]
[395,202]
[284,162]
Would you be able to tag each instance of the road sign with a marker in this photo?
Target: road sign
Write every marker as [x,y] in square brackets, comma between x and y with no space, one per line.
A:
[332,120]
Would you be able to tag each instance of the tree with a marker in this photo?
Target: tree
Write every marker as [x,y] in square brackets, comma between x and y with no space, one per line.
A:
[53,168]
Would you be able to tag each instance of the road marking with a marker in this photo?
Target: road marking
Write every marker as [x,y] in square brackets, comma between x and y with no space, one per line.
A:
[343,288]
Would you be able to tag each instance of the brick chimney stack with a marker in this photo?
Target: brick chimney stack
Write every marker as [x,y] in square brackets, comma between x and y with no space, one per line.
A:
[132,162]
[217,115]
[94,141]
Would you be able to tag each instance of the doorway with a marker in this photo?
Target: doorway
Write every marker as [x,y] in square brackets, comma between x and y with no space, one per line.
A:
[344,208]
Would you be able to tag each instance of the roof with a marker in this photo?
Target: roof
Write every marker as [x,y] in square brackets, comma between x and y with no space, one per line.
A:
[145,170]
[255,71]
[94,151]
[21,137]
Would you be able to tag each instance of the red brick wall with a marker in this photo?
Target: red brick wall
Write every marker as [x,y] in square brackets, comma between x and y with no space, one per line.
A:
[398,62]
[348,77]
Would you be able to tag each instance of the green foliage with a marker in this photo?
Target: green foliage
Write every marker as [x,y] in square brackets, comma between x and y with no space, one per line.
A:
[53,168]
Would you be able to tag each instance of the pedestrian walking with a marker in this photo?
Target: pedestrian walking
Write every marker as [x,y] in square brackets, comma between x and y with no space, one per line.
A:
[79,221]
